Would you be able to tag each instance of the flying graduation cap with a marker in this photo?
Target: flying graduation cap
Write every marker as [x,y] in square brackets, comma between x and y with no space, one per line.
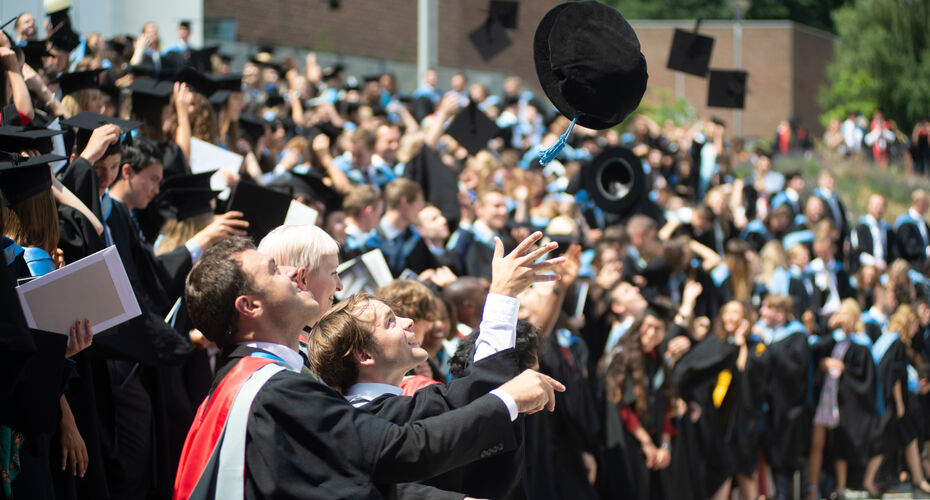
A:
[472,129]
[491,38]
[61,34]
[690,52]
[726,89]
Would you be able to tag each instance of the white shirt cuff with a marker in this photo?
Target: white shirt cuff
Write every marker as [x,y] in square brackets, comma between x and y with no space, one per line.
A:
[194,249]
[498,328]
[509,402]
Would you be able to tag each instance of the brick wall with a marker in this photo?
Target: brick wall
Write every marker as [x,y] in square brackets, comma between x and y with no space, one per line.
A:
[786,62]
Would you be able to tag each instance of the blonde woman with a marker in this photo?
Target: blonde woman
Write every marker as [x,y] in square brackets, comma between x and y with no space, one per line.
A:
[895,428]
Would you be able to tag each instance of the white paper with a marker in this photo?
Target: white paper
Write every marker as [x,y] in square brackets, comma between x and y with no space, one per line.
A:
[582,298]
[95,287]
[206,157]
[364,273]
[299,214]
[58,146]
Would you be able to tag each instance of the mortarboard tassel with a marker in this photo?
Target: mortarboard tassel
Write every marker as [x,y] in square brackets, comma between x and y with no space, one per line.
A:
[547,155]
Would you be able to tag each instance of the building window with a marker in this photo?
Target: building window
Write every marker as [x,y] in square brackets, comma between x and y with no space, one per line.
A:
[221,29]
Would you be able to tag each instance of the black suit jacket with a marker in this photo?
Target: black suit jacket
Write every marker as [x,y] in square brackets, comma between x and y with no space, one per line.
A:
[911,244]
[862,243]
[304,440]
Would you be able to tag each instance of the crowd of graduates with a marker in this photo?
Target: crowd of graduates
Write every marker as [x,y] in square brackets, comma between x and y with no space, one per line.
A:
[719,337]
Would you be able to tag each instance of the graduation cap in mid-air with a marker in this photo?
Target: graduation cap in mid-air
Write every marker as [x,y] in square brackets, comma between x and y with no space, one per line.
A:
[505,11]
[726,89]
[61,34]
[472,129]
[690,53]
[490,38]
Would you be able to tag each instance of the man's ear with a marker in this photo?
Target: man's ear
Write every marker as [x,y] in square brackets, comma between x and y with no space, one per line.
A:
[124,171]
[362,358]
[250,307]
[616,308]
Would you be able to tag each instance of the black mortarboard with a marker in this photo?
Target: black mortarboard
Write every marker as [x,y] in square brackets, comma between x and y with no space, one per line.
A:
[308,182]
[264,208]
[80,80]
[726,89]
[22,177]
[422,107]
[614,180]
[34,51]
[332,71]
[226,58]
[252,126]
[439,182]
[225,85]
[188,195]
[506,12]
[195,80]
[490,38]
[86,122]
[61,34]
[588,60]
[149,93]
[472,128]
[327,128]
[19,138]
[200,58]
[117,45]
[274,99]
[690,53]
[172,62]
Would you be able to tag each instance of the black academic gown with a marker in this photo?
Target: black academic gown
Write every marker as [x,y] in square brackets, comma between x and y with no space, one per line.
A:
[789,417]
[856,399]
[890,433]
[305,441]
[911,244]
[649,484]
[31,406]
[495,477]
[747,420]
[575,425]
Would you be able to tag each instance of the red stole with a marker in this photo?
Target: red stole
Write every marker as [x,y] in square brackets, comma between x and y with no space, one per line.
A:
[207,428]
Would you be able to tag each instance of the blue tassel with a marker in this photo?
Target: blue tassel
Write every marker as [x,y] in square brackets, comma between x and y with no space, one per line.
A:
[547,155]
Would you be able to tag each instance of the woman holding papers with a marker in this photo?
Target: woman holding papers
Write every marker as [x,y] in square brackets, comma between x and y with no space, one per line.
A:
[30,237]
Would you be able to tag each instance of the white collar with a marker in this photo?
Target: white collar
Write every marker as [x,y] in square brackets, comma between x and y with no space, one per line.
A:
[915,214]
[293,358]
[877,314]
[364,392]
[390,232]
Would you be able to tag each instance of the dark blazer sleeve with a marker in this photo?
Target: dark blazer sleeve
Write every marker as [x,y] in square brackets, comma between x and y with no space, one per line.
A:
[910,244]
[417,491]
[305,439]
[480,378]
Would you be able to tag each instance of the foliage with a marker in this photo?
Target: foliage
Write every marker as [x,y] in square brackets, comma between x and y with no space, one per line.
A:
[814,13]
[661,105]
[881,61]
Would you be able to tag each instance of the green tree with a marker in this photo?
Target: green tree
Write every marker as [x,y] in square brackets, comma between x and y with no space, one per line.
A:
[814,13]
[881,60]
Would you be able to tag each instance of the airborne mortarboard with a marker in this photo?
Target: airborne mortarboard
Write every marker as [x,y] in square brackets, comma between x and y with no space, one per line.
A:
[490,38]
[22,177]
[86,122]
[690,53]
[80,80]
[264,209]
[19,138]
[726,89]
[149,93]
[506,12]
[472,129]
[34,51]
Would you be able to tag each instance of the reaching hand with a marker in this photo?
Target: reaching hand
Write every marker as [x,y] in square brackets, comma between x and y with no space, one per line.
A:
[533,391]
[222,227]
[570,266]
[514,273]
[100,139]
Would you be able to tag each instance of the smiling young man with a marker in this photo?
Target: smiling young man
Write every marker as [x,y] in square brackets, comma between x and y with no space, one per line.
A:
[363,349]
[240,299]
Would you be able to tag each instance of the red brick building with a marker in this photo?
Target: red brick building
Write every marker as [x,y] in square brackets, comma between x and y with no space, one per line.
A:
[786,61]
